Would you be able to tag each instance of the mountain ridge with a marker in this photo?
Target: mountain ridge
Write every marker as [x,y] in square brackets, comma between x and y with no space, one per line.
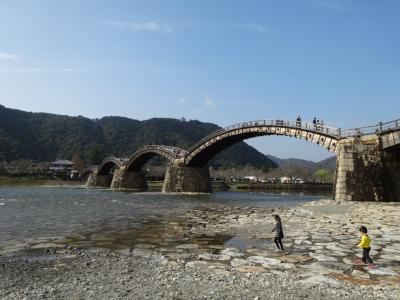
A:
[45,136]
[329,163]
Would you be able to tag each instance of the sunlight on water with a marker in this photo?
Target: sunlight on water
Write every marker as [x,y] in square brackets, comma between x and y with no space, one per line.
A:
[28,213]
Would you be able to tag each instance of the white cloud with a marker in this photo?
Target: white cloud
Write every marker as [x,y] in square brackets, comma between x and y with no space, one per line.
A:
[8,56]
[197,111]
[210,103]
[253,27]
[42,70]
[239,102]
[181,100]
[151,26]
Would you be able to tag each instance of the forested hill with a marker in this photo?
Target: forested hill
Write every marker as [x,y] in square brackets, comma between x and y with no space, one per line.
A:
[42,136]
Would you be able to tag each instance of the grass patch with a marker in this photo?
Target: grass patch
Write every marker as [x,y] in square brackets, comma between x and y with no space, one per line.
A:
[26,181]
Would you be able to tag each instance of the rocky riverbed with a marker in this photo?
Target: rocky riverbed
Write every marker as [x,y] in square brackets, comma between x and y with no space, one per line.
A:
[215,252]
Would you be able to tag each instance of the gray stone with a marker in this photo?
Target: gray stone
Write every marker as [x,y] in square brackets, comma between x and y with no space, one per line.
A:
[233,252]
[141,252]
[188,246]
[318,280]
[265,261]
[208,256]
[360,274]
[322,257]
[381,271]
[238,262]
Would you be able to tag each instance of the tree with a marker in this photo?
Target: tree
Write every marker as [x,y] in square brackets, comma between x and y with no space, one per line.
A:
[95,155]
[78,162]
[321,175]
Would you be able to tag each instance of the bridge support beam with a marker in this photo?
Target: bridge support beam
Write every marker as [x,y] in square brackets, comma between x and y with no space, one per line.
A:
[99,180]
[391,161]
[181,179]
[364,171]
[128,180]
[91,181]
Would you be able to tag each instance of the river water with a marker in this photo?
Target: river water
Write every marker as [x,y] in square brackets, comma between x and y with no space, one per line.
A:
[29,213]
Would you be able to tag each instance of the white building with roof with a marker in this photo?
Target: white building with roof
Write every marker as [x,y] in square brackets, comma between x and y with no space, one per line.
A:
[61,165]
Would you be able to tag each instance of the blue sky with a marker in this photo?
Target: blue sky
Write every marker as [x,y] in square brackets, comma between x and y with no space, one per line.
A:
[216,61]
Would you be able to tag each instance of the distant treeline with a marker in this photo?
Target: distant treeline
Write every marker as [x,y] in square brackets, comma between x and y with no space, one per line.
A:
[42,136]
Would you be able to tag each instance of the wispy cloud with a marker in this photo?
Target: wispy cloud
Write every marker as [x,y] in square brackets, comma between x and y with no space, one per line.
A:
[181,100]
[42,70]
[197,111]
[239,102]
[210,103]
[253,27]
[150,26]
[8,56]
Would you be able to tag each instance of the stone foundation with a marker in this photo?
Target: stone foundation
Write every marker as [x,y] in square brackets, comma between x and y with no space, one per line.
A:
[91,181]
[366,172]
[128,180]
[180,179]
[99,180]
[391,163]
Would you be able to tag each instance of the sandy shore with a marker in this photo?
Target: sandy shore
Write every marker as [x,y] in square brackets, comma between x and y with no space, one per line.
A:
[217,252]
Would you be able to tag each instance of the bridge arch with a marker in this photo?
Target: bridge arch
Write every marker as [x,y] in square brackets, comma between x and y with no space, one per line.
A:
[85,173]
[144,154]
[108,164]
[201,152]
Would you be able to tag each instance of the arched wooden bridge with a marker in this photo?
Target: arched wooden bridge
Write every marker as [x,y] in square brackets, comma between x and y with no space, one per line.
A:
[188,171]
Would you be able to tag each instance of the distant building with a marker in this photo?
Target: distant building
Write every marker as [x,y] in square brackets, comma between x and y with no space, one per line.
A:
[251,178]
[298,181]
[292,180]
[269,180]
[285,179]
[61,165]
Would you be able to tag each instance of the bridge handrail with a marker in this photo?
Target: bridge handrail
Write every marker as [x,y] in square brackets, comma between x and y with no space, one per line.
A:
[175,150]
[375,129]
[332,131]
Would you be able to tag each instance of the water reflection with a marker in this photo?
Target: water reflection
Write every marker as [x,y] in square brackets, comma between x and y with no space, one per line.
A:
[30,213]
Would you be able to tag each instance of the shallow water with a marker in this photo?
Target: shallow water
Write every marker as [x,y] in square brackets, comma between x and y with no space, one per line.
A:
[29,213]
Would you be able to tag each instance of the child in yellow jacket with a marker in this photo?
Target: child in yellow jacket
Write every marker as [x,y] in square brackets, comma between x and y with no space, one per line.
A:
[365,244]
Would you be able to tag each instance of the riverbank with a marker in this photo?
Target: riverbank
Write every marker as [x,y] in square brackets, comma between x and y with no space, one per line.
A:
[216,252]
[26,181]
[260,186]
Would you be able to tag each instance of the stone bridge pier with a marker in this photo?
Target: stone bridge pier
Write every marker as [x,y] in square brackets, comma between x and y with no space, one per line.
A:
[123,179]
[182,179]
[120,179]
[366,170]
[99,180]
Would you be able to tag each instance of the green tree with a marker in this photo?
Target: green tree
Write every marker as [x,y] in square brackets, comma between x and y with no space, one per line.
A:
[78,162]
[95,155]
[322,175]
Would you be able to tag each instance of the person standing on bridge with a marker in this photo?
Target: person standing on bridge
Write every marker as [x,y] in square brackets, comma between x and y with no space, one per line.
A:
[278,232]
[298,121]
[315,123]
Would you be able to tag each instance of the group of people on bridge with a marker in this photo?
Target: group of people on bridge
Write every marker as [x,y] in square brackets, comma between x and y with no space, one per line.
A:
[318,124]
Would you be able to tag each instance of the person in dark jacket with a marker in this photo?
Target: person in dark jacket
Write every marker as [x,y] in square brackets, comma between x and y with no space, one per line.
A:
[278,232]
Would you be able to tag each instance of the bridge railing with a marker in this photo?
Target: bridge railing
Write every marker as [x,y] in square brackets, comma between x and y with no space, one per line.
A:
[175,150]
[337,133]
[331,131]
[375,129]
